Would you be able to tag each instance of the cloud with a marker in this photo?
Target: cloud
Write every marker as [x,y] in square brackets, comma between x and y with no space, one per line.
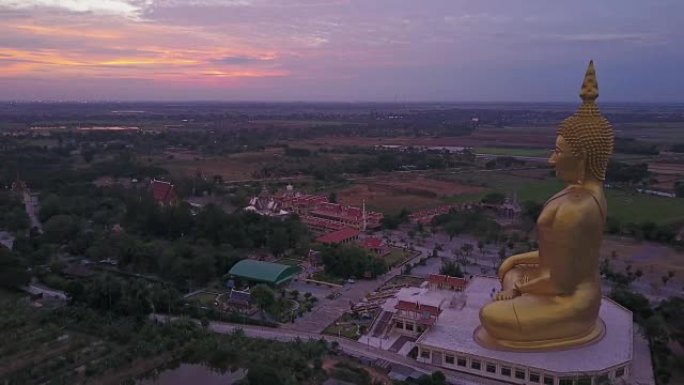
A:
[642,38]
[201,3]
[130,9]
[241,60]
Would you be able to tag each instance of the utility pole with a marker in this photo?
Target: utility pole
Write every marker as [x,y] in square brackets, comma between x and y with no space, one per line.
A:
[365,221]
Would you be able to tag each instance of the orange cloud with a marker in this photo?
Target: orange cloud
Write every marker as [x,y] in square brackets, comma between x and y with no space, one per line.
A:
[130,50]
[69,32]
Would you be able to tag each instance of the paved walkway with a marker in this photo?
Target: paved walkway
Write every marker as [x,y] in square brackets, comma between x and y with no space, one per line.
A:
[327,311]
[31,205]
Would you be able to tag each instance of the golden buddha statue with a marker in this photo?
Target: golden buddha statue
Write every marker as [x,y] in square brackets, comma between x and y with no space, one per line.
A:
[550,298]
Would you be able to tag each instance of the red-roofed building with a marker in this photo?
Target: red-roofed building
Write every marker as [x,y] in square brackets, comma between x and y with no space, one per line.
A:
[436,281]
[163,192]
[376,245]
[413,318]
[425,216]
[322,216]
[342,236]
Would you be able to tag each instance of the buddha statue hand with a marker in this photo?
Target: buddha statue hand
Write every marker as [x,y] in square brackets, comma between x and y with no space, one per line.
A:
[513,292]
[506,295]
[529,258]
[505,267]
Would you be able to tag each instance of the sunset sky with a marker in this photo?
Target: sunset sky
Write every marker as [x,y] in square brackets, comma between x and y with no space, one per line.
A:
[340,50]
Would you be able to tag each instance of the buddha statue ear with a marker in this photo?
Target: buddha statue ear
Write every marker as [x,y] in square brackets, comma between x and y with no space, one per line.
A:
[581,168]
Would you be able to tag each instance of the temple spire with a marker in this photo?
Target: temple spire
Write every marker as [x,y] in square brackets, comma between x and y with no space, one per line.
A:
[589,91]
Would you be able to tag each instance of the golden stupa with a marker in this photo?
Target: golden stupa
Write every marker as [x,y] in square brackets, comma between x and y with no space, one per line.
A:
[550,298]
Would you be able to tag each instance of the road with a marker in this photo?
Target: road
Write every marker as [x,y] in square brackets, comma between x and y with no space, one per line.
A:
[31,204]
[327,310]
[350,347]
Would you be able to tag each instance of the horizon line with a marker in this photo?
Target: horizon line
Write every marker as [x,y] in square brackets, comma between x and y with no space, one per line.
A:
[386,102]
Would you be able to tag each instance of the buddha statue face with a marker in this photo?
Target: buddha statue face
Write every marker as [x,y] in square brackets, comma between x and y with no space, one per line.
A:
[570,168]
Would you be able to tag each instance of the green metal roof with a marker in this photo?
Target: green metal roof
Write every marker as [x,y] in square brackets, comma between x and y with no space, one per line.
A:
[260,271]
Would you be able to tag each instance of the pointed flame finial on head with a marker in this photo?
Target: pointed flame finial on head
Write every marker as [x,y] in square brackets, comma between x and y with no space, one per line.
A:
[589,91]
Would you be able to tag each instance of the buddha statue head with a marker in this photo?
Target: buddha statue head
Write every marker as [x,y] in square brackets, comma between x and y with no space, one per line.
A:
[585,139]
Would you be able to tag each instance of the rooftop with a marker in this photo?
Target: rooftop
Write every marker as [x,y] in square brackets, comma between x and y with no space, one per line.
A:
[434,298]
[260,271]
[372,243]
[163,192]
[444,280]
[338,236]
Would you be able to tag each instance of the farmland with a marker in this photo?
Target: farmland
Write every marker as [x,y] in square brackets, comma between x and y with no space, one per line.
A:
[390,194]
[625,205]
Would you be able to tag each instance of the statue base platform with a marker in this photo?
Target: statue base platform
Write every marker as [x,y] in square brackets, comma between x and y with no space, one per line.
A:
[592,336]
[454,342]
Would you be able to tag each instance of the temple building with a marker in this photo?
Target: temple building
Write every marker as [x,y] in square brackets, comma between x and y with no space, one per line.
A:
[439,318]
[266,204]
[163,192]
[315,211]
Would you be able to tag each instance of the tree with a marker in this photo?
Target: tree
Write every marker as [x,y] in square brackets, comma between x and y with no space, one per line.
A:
[480,246]
[351,261]
[467,248]
[260,374]
[13,272]
[279,241]
[532,209]
[451,269]
[494,198]
[637,303]
[263,297]
[452,229]
[438,378]
[679,189]
[60,228]
[502,253]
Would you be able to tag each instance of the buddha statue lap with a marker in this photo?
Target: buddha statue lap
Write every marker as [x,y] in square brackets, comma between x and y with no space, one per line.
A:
[550,297]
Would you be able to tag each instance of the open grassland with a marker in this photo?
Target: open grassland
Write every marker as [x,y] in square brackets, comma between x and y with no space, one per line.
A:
[654,260]
[391,193]
[286,123]
[513,151]
[660,132]
[240,166]
[626,206]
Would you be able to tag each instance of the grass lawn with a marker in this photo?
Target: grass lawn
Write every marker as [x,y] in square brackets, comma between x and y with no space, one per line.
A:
[513,151]
[322,276]
[204,298]
[401,281]
[289,261]
[633,207]
[396,256]
[346,327]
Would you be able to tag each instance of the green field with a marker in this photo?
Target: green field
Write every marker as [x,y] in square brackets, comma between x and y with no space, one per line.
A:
[396,256]
[624,205]
[513,151]
[289,261]
[343,327]
[205,298]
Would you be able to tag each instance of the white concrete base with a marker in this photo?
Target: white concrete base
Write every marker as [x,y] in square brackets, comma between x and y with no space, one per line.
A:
[450,344]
